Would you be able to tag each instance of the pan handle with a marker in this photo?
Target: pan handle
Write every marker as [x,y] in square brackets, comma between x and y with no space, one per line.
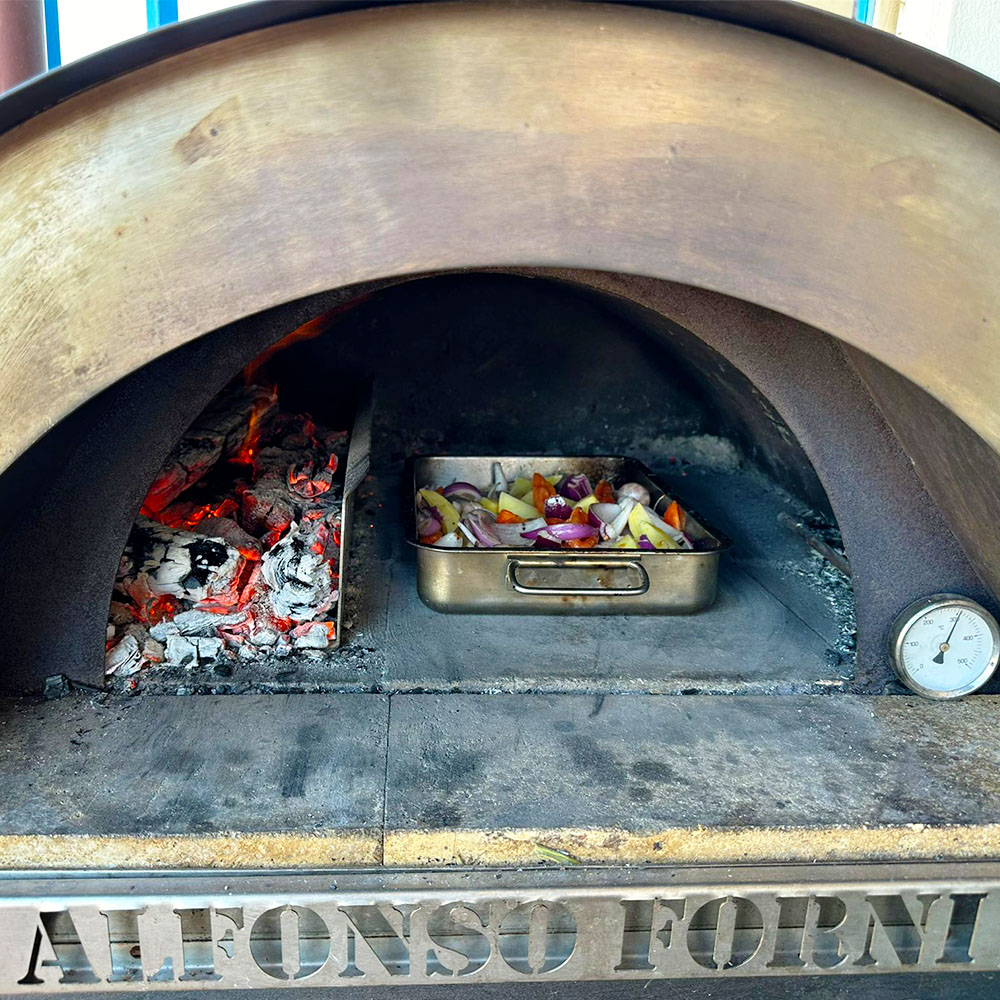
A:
[514,564]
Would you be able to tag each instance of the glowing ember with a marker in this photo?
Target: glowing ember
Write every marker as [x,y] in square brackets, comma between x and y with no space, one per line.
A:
[237,558]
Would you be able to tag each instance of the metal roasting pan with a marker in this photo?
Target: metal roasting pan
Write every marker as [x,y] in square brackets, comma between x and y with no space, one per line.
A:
[550,582]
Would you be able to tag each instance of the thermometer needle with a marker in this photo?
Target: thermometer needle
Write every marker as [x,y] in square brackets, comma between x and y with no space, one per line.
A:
[946,645]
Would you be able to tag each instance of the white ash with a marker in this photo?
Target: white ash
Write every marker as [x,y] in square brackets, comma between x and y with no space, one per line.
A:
[300,577]
[159,560]
[184,651]
[124,658]
[195,623]
[311,635]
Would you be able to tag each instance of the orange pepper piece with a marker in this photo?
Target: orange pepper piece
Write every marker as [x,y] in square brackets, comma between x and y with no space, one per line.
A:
[579,516]
[581,543]
[604,492]
[509,517]
[674,516]
[431,539]
[541,490]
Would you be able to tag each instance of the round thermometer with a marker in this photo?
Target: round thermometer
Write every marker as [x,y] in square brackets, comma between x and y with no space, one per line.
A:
[945,646]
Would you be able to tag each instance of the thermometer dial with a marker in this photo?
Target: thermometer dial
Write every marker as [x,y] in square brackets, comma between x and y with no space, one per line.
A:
[945,646]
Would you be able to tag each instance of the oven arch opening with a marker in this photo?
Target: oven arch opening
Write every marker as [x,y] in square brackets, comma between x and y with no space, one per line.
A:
[481,363]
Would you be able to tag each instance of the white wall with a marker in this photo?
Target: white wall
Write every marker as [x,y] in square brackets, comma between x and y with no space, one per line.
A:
[965,30]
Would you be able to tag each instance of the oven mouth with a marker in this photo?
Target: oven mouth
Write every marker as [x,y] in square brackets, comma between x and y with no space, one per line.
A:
[448,377]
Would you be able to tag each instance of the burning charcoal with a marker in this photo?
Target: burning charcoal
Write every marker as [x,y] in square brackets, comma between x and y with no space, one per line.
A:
[204,623]
[182,651]
[222,431]
[306,482]
[313,635]
[162,630]
[299,576]
[267,507]
[240,567]
[231,533]
[265,637]
[124,658]
[153,651]
[208,648]
[159,560]
[120,614]
[137,631]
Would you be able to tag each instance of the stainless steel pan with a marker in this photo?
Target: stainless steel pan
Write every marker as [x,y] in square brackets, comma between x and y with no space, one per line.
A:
[588,581]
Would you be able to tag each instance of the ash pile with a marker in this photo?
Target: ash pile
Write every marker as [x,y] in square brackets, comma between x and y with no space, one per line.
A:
[236,551]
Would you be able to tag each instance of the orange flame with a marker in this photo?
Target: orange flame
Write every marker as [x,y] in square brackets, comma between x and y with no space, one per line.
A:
[313,328]
[248,450]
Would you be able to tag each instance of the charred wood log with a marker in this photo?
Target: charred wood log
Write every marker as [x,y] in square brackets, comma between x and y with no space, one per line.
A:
[220,432]
[160,560]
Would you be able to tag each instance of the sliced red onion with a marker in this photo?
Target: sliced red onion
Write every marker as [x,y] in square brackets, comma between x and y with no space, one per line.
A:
[636,491]
[645,543]
[558,507]
[461,491]
[543,542]
[531,528]
[574,487]
[569,532]
[510,536]
[610,519]
[619,523]
[668,529]
[428,523]
[483,528]
[602,513]
[450,541]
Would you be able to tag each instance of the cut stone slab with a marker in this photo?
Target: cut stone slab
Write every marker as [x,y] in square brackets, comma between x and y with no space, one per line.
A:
[797,778]
[174,767]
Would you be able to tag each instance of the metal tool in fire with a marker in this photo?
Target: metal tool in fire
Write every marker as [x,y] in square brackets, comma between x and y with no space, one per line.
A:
[945,646]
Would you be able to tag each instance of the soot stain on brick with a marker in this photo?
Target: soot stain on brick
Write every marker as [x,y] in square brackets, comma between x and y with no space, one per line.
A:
[453,768]
[440,814]
[597,764]
[293,775]
[652,770]
[296,765]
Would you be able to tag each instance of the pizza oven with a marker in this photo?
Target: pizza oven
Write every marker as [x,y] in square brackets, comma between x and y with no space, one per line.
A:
[258,268]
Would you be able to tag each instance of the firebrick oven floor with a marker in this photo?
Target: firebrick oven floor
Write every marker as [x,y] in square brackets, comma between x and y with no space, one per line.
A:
[417,779]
